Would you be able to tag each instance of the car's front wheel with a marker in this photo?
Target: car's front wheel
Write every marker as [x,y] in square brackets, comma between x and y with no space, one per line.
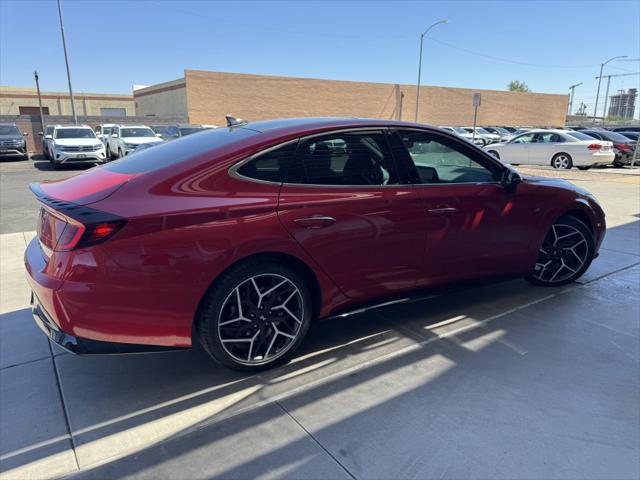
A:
[566,252]
[255,316]
[495,154]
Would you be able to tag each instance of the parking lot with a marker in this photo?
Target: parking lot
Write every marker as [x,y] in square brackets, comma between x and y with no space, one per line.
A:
[499,380]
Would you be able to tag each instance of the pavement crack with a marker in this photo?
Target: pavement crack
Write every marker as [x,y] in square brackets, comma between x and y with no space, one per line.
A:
[331,455]
[64,407]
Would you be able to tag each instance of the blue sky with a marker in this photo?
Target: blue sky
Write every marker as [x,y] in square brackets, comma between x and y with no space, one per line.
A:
[113,45]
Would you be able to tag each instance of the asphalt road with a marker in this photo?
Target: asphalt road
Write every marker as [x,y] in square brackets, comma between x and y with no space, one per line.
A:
[18,207]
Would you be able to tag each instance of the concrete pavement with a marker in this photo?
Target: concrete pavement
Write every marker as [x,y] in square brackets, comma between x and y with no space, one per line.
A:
[503,381]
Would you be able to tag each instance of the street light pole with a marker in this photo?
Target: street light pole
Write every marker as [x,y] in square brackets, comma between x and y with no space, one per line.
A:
[595,108]
[606,97]
[572,88]
[422,35]
[66,61]
[35,74]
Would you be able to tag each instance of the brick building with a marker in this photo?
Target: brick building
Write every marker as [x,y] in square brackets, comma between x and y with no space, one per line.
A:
[24,101]
[205,97]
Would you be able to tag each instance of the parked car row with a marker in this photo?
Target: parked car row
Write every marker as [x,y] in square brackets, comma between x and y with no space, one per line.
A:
[80,143]
[564,149]
[486,135]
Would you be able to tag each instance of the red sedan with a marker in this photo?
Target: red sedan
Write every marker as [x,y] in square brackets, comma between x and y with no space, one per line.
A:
[239,237]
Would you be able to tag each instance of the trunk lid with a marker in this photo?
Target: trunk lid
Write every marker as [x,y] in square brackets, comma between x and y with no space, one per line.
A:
[89,187]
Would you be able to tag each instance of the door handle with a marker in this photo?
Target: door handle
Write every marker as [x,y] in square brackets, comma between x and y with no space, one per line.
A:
[316,221]
[442,210]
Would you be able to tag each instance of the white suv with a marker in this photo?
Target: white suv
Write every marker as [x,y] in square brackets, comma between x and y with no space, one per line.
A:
[75,143]
[124,139]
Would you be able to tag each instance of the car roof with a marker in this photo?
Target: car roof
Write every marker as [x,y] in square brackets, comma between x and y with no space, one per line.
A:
[130,126]
[72,126]
[301,126]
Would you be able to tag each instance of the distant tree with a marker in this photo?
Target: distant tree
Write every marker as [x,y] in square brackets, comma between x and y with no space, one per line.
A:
[518,86]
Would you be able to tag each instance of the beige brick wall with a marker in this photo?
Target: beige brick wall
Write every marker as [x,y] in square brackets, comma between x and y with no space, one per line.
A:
[169,98]
[210,95]
[59,103]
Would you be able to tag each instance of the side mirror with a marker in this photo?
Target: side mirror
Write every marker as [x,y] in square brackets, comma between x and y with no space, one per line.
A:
[25,134]
[40,133]
[114,135]
[510,180]
[159,135]
[48,136]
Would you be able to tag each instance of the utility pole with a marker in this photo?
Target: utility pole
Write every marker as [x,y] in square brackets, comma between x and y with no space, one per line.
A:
[606,98]
[35,74]
[66,61]
[599,77]
[572,88]
[420,63]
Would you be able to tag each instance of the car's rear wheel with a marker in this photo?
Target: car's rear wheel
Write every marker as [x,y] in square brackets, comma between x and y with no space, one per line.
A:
[255,316]
[562,161]
[566,252]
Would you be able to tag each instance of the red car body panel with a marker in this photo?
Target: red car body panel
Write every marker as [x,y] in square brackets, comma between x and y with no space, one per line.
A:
[187,225]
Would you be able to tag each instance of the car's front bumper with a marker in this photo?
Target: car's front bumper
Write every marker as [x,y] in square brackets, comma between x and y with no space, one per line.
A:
[66,157]
[13,151]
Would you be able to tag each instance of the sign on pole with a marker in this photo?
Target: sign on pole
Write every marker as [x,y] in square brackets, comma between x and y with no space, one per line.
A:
[476,99]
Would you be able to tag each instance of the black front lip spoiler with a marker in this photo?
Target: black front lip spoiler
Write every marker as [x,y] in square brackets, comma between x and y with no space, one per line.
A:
[85,346]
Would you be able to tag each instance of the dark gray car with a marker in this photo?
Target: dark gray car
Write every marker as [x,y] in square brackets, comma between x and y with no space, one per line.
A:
[12,141]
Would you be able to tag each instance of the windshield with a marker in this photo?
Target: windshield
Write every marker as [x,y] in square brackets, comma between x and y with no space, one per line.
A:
[482,131]
[580,135]
[9,130]
[166,130]
[137,132]
[190,130]
[74,133]
[502,131]
[460,130]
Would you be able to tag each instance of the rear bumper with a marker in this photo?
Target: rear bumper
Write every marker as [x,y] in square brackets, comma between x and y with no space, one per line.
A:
[85,346]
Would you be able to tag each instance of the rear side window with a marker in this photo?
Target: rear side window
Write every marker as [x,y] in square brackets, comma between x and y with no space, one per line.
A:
[270,166]
[348,158]
[178,151]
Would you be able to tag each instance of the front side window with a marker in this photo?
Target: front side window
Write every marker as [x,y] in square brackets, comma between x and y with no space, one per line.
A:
[348,158]
[526,138]
[439,159]
[548,137]
[271,166]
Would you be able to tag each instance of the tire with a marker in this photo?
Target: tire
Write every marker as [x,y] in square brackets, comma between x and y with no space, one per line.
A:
[562,161]
[56,165]
[120,153]
[565,254]
[45,152]
[495,154]
[241,336]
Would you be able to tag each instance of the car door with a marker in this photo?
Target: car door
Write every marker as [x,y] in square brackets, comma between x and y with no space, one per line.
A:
[344,203]
[517,150]
[473,226]
[544,146]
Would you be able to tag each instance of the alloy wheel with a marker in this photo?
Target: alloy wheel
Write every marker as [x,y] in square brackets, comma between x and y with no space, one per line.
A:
[561,161]
[563,253]
[260,319]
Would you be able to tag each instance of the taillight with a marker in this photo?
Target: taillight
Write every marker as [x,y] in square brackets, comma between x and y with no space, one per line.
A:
[61,233]
[594,146]
[623,147]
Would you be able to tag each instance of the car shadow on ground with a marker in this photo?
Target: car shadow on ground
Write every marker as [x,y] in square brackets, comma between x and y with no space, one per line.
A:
[468,349]
[45,165]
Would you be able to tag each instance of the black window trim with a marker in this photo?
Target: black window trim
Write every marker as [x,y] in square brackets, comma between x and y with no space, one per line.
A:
[500,168]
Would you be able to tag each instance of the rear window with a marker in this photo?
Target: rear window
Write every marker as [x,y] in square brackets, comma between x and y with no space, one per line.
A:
[580,135]
[615,137]
[177,151]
